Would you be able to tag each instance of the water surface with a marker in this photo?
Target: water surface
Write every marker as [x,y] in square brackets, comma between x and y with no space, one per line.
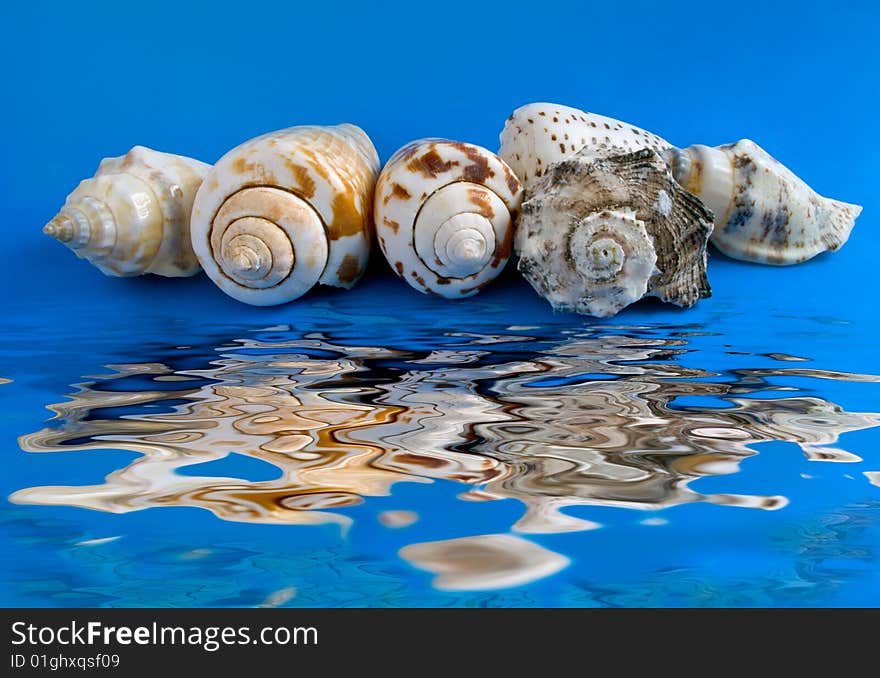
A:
[350,458]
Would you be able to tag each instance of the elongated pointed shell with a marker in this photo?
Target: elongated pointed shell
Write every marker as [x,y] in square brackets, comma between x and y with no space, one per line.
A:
[763,212]
[599,234]
[287,210]
[538,135]
[444,214]
[133,216]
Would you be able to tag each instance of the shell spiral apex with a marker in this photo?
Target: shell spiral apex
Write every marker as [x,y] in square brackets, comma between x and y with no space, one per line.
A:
[597,234]
[133,216]
[444,213]
[287,210]
[539,135]
[763,212]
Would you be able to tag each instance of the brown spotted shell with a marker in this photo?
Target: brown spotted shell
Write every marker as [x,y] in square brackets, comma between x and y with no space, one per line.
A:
[444,213]
[539,135]
[596,234]
[763,211]
[133,216]
[287,210]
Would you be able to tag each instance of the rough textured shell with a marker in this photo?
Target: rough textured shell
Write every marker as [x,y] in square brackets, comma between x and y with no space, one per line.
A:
[763,211]
[538,135]
[597,234]
[301,199]
[435,196]
[133,216]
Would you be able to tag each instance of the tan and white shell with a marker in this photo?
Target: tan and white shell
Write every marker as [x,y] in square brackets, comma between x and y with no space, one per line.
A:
[133,216]
[444,213]
[286,211]
[596,234]
[538,135]
[763,212]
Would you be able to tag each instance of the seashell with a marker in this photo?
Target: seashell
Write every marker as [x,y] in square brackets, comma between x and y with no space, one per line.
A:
[539,135]
[133,216]
[763,212]
[444,214]
[287,210]
[597,234]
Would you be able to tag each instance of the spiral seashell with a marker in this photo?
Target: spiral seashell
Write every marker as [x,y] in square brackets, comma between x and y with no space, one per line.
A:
[763,212]
[538,135]
[597,234]
[444,214]
[133,216]
[287,210]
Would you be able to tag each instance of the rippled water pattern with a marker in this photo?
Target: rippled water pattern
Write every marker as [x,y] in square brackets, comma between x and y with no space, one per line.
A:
[528,465]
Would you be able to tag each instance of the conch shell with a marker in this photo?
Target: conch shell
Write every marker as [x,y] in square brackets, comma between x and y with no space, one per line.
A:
[763,212]
[133,216]
[444,213]
[287,210]
[597,234]
[538,135]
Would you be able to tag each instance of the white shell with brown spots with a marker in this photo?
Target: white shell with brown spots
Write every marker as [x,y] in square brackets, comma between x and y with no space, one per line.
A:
[538,135]
[287,210]
[763,212]
[444,213]
[133,216]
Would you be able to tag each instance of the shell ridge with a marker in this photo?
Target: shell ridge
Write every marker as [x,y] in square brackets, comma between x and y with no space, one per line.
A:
[598,233]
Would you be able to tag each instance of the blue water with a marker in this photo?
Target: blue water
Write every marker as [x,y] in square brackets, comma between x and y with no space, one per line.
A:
[737,477]
[718,493]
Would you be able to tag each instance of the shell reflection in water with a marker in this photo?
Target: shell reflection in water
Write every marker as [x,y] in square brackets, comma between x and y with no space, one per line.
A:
[589,419]
[484,562]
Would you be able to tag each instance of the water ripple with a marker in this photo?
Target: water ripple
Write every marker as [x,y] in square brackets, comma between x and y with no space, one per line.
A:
[553,420]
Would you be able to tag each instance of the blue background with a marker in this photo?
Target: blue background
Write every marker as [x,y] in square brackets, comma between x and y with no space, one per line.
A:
[83,81]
